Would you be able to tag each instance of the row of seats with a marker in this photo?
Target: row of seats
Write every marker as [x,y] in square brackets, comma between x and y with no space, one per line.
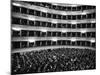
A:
[30,33]
[36,23]
[53,60]
[62,8]
[51,15]
[26,44]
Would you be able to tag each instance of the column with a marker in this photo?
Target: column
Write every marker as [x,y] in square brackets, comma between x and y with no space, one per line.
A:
[20,44]
[28,44]
[20,33]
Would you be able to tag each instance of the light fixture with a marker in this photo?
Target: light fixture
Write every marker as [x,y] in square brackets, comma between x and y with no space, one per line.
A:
[31,18]
[44,10]
[73,39]
[93,21]
[92,40]
[64,31]
[73,5]
[83,13]
[83,31]
[17,29]
[54,21]
[44,30]
[73,22]
[54,4]
[31,40]
[64,13]
[54,39]
[16,4]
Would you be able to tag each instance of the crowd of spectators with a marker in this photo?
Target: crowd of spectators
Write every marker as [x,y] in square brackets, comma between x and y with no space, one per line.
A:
[61,59]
